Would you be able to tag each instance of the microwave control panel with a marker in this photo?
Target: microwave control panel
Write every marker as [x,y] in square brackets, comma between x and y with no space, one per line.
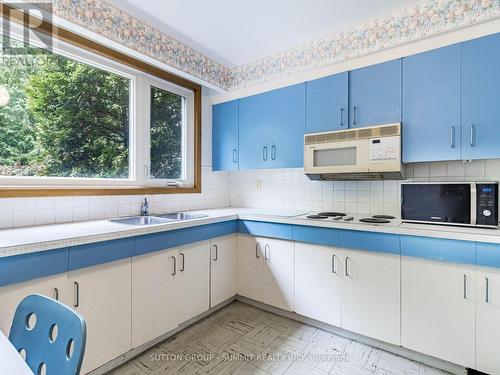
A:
[487,204]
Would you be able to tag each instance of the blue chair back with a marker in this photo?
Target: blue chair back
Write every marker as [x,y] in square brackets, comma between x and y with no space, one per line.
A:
[50,335]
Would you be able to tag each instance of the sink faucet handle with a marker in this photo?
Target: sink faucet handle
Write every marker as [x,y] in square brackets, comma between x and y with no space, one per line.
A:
[145,207]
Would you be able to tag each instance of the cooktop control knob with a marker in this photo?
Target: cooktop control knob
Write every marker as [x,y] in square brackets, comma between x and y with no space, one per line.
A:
[487,213]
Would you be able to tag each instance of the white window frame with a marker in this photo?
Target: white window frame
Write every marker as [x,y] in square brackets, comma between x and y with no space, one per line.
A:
[139,112]
[187,178]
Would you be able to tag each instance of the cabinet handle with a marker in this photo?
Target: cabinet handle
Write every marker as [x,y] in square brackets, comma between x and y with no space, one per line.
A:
[216,252]
[273,152]
[175,266]
[264,153]
[257,247]
[235,156]
[341,117]
[183,262]
[354,110]
[487,299]
[347,260]
[77,294]
[465,286]
[472,135]
[56,294]
[333,264]
[452,136]
[266,257]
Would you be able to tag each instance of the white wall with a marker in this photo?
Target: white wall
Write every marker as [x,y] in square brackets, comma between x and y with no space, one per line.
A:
[37,211]
[290,189]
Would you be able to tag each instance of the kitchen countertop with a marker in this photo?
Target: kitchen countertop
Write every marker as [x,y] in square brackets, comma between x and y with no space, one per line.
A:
[39,238]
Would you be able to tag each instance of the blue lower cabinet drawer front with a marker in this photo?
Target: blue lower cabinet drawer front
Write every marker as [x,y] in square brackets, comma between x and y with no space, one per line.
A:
[265,229]
[315,235]
[371,241]
[25,267]
[100,252]
[488,254]
[439,249]
[166,240]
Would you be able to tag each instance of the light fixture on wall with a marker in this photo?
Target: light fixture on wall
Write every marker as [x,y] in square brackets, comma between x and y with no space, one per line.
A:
[4,96]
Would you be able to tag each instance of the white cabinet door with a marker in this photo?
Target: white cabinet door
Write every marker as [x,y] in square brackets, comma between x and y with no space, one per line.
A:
[371,295]
[155,295]
[11,295]
[250,260]
[488,320]
[438,309]
[193,270]
[102,295]
[223,269]
[318,283]
[278,273]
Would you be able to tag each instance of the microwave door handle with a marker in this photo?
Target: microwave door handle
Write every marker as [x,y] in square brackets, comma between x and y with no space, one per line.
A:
[473,204]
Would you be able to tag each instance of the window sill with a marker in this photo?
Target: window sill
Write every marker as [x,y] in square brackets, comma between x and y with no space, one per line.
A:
[43,191]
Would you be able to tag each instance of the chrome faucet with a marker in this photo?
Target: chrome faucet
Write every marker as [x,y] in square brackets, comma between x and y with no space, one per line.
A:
[145,207]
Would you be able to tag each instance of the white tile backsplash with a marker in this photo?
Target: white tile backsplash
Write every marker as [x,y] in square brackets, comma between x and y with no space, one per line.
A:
[19,212]
[291,189]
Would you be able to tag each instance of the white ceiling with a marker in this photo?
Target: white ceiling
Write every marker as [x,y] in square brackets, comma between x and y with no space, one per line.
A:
[234,32]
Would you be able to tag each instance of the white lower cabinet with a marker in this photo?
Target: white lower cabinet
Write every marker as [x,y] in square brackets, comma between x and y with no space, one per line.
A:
[438,310]
[266,270]
[102,295]
[318,283]
[249,267]
[488,320]
[223,269]
[371,294]
[193,269]
[11,295]
[356,290]
[155,295]
[278,273]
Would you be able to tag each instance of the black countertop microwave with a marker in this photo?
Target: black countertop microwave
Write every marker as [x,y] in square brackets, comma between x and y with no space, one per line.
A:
[452,203]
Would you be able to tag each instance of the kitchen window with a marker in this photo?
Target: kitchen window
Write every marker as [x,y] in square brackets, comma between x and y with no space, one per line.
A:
[80,121]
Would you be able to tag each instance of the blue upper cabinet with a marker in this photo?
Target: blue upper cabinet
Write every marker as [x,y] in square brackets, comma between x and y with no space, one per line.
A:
[375,94]
[431,105]
[272,125]
[480,98]
[225,136]
[327,103]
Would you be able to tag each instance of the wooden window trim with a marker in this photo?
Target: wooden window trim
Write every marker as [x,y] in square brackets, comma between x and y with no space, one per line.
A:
[70,37]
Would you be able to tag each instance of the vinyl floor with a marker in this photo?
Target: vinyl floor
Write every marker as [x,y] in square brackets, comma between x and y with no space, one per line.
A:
[243,340]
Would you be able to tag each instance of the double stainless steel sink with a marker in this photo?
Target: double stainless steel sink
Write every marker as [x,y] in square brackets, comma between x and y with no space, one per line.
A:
[160,219]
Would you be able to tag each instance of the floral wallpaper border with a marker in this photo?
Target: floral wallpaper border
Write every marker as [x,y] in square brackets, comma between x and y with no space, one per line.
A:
[409,24]
[103,18]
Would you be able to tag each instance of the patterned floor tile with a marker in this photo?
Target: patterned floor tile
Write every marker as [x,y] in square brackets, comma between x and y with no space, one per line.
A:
[152,359]
[263,334]
[290,344]
[204,356]
[392,364]
[221,337]
[226,367]
[178,368]
[273,360]
[303,332]
[128,368]
[240,326]
[245,349]
[243,340]
[247,369]
[321,356]
[301,368]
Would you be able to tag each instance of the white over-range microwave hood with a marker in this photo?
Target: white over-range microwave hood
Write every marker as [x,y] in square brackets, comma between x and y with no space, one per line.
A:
[371,153]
